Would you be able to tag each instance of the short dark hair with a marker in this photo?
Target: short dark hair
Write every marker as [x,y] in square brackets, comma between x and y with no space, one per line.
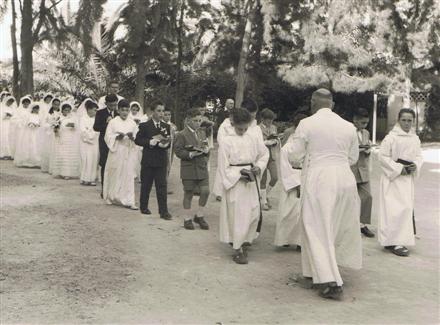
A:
[111,98]
[267,114]
[90,105]
[361,112]
[124,103]
[192,112]
[66,105]
[406,110]
[35,106]
[156,103]
[241,116]
[167,109]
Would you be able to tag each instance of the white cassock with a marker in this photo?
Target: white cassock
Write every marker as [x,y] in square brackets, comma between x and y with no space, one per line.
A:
[6,114]
[88,149]
[396,193]
[17,124]
[240,207]
[288,226]
[226,129]
[330,202]
[119,169]
[66,149]
[27,152]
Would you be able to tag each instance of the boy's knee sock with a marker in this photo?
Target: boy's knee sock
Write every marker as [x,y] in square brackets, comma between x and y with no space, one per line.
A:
[188,214]
[263,196]
[269,189]
[201,211]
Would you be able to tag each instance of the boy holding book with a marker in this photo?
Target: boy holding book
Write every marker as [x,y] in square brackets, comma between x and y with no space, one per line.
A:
[191,146]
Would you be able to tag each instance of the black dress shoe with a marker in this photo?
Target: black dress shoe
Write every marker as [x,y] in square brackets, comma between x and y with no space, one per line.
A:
[201,222]
[166,216]
[188,224]
[367,232]
[331,292]
[145,211]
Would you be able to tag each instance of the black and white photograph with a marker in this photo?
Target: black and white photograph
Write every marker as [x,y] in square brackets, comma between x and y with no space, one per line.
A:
[220,162]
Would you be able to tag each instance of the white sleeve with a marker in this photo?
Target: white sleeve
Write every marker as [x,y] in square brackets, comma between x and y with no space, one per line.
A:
[390,168]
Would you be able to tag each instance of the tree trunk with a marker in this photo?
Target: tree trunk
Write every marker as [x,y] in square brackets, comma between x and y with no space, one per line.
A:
[241,69]
[178,100]
[27,46]
[140,77]
[16,71]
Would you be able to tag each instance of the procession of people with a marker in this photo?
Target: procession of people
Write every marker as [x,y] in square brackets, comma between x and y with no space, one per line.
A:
[321,163]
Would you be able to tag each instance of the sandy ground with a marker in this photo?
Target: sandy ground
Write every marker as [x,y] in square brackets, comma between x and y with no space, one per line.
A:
[69,258]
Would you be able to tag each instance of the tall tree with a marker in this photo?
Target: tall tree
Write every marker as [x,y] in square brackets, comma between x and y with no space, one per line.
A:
[15,66]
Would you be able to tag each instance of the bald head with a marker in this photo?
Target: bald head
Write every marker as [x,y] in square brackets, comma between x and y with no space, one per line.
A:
[321,98]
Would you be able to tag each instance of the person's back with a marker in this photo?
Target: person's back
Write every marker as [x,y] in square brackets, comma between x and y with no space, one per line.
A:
[330,139]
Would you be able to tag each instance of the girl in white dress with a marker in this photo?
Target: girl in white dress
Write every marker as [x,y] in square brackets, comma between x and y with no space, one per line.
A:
[137,117]
[17,123]
[89,148]
[47,135]
[8,108]
[401,159]
[27,153]
[119,170]
[66,149]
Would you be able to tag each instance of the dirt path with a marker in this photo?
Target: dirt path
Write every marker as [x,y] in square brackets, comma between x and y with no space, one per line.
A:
[69,258]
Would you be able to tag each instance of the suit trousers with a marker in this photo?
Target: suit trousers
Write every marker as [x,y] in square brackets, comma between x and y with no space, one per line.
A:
[366,202]
[158,175]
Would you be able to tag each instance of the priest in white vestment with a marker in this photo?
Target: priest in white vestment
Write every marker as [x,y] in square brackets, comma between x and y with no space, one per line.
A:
[240,207]
[401,160]
[120,167]
[288,226]
[330,203]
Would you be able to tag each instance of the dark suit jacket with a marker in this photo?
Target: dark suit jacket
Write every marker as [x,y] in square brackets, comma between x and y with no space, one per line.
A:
[100,126]
[152,156]
[191,168]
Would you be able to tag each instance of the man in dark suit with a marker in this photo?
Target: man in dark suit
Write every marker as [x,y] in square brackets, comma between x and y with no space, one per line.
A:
[154,137]
[103,116]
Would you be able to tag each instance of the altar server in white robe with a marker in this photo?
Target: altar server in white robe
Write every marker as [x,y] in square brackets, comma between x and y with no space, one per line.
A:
[66,145]
[138,117]
[288,226]
[17,123]
[89,148]
[27,153]
[226,129]
[401,161]
[330,203]
[8,108]
[120,170]
[240,208]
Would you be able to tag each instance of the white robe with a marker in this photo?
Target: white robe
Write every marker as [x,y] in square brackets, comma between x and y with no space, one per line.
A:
[240,207]
[46,138]
[288,226]
[226,129]
[27,152]
[330,203]
[66,149]
[6,114]
[120,170]
[396,193]
[89,149]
